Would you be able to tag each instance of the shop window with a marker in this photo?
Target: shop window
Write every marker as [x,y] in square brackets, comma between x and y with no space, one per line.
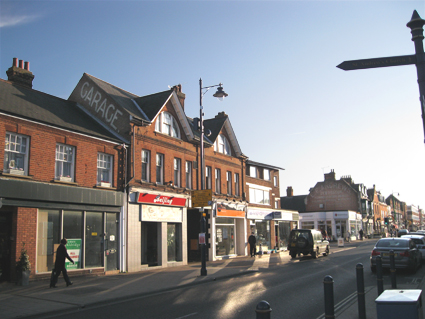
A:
[189,175]
[229,183]
[64,163]
[263,234]
[16,154]
[160,168]
[174,239]
[177,172]
[73,232]
[167,124]
[48,239]
[222,145]
[146,155]
[104,170]
[218,180]
[94,240]
[225,236]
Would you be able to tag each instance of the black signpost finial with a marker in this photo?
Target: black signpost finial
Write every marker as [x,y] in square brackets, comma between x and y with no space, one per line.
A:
[416,25]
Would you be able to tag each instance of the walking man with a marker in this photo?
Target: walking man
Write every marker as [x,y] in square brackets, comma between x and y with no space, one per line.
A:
[252,241]
[61,254]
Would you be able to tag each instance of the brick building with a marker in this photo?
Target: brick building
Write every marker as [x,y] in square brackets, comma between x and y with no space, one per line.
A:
[398,211]
[266,219]
[61,177]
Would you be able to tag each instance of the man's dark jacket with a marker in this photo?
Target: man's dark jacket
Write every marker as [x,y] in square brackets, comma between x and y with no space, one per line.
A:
[61,254]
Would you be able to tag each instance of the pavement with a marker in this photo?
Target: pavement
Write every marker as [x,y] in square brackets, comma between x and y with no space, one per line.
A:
[39,301]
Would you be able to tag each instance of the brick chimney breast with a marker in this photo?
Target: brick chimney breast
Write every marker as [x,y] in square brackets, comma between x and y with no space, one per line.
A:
[330,176]
[20,74]
[289,191]
[178,89]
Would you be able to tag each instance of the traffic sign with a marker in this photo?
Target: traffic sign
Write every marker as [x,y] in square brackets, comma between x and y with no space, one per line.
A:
[201,198]
[377,62]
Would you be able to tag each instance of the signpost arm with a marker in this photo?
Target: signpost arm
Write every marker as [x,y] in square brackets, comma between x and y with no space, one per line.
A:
[416,25]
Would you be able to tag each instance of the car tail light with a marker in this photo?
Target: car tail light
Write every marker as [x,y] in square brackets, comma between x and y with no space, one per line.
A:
[404,253]
[375,253]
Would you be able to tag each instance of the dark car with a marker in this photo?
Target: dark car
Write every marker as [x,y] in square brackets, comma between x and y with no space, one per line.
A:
[402,232]
[406,254]
[307,242]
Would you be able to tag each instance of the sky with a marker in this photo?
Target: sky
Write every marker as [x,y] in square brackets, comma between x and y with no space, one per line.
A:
[288,103]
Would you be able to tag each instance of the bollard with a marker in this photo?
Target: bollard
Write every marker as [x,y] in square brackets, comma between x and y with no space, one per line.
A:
[379,275]
[329,297]
[263,310]
[360,291]
[392,270]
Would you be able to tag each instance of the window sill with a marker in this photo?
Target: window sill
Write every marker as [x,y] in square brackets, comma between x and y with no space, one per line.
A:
[16,175]
[64,182]
[106,187]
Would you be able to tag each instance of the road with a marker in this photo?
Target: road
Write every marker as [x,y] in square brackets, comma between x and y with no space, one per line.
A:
[293,289]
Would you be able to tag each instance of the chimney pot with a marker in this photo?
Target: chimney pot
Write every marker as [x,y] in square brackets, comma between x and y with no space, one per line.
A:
[21,64]
[15,62]
[27,66]
[289,191]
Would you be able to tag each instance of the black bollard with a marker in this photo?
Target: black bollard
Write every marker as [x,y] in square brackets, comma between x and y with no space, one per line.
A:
[360,291]
[263,310]
[392,270]
[379,275]
[329,297]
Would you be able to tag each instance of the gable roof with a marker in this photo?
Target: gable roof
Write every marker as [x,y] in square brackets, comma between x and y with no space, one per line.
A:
[217,124]
[29,104]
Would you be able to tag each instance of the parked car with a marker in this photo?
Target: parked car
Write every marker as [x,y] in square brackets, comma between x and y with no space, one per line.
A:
[419,241]
[416,233]
[406,254]
[401,232]
[307,242]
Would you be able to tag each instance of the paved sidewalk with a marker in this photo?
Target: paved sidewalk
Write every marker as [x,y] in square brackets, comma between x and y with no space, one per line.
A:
[38,300]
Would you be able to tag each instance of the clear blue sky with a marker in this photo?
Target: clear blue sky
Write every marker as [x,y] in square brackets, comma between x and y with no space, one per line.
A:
[288,103]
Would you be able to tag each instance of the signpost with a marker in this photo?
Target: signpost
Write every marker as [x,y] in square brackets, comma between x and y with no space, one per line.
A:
[416,25]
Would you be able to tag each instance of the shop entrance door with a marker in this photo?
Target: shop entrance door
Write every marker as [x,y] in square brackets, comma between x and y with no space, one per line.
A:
[150,245]
[5,245]
[111,242]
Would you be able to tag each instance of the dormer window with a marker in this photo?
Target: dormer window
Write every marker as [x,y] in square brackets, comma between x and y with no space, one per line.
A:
[222,145]
[167,124]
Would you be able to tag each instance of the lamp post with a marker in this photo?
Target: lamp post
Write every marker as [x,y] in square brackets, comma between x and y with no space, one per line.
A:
[220,94]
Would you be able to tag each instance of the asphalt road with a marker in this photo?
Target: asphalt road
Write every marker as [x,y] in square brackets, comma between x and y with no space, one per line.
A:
[293,290]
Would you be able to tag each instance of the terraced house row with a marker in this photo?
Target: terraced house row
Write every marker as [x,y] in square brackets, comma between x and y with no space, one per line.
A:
[114,173]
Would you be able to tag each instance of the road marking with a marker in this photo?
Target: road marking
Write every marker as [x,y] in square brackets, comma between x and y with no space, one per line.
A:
[189,315]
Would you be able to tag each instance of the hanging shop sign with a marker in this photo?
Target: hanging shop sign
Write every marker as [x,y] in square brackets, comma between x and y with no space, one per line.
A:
[149,213]
[161,200]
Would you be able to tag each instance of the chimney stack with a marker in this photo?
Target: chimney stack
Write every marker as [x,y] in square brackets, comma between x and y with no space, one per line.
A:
[330,176]
[289,191]
[180,94]
[20,74]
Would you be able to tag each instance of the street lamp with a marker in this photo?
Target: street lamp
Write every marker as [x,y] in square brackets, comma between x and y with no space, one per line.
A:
[220,94]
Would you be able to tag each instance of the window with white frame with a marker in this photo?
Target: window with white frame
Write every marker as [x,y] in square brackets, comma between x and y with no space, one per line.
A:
[229,182]
[275,181]
[65,159]
[208,181]
[167,124]
[237,193]
[253,171]
[222,145]
[218,180]
[259,196]
[160,168]
[146,156]
[266,174]
[104,169]
[188,174]
[177,172]
[16,154]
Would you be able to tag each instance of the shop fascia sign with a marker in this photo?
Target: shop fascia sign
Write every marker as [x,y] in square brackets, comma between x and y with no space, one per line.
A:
[147,198]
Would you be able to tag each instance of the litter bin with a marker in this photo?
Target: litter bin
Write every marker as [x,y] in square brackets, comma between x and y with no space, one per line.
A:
[394,303]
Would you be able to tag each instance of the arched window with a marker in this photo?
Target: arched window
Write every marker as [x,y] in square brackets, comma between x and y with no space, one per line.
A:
[222,145]
[167,124]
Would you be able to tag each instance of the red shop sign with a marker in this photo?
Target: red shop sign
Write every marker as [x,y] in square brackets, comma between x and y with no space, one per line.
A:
[161,200]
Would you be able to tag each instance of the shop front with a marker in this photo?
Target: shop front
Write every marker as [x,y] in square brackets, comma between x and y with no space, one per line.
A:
[284,221]
[340,224]
[38,215]
[156,230]
[228,230]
